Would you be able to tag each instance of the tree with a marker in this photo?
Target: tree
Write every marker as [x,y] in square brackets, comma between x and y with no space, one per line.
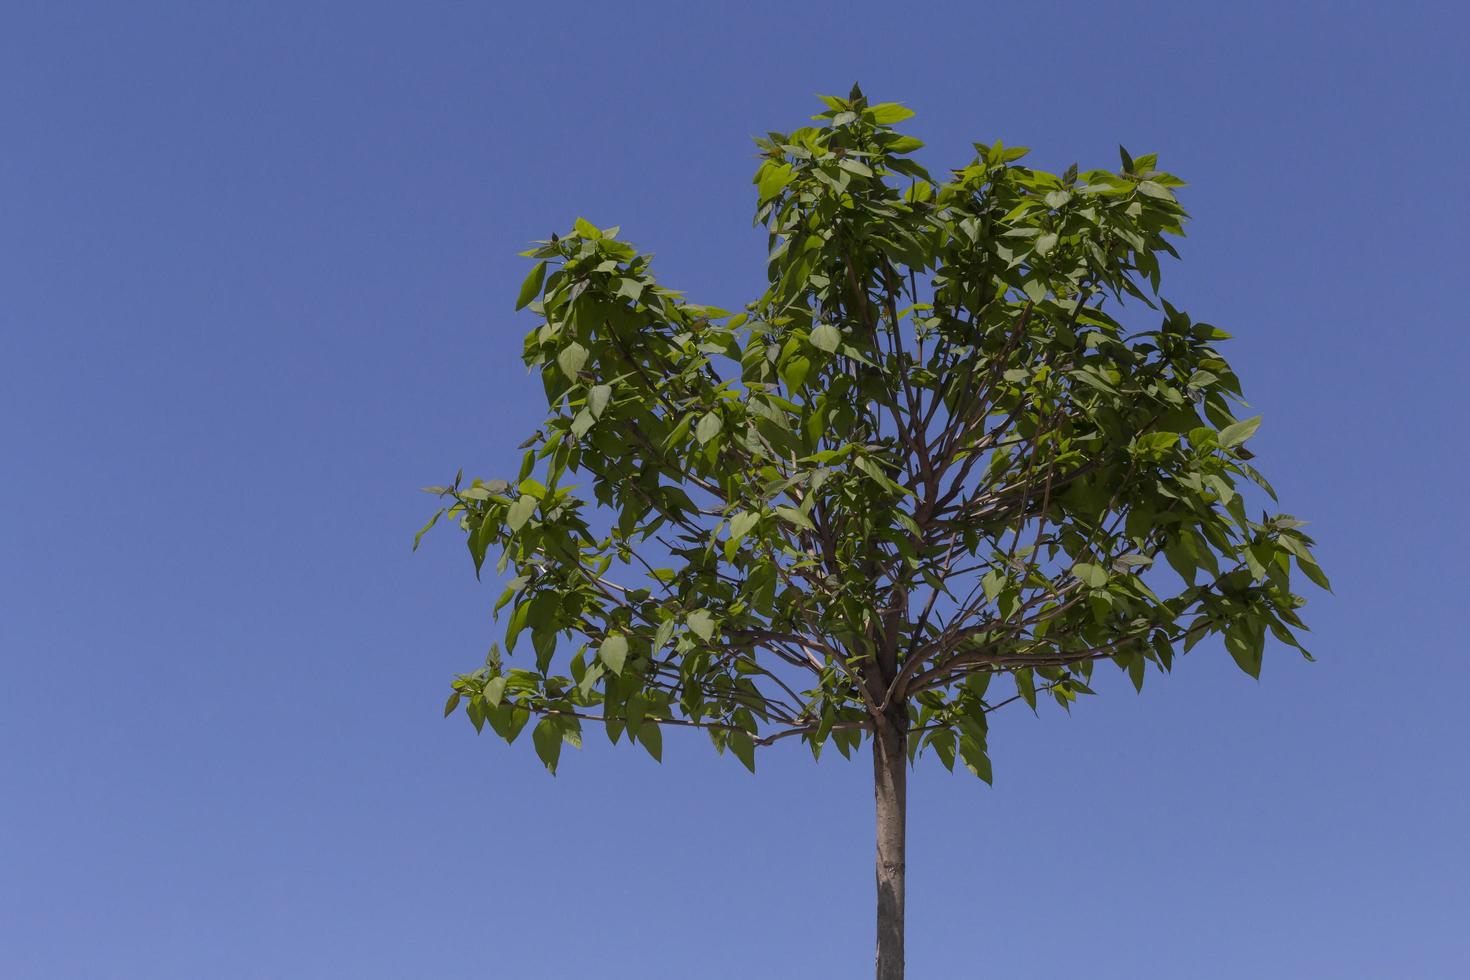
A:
[931,455]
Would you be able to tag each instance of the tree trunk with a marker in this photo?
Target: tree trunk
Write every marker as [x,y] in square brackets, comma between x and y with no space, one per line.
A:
[890,791]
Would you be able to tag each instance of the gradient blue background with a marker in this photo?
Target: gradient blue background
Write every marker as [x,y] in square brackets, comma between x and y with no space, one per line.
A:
[256,275]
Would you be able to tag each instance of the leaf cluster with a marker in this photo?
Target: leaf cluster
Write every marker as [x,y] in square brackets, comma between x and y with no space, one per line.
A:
[936,450]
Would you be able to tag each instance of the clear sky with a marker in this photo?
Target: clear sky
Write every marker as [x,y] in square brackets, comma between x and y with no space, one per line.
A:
[257,264]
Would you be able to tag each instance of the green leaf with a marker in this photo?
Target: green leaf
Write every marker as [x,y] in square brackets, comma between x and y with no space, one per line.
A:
[547,738]
[425,529]
[1247,654]
[630,289]
[679,432]
[1156,442]
[1136,668]
[793,516]
[586,229]
[614,652]
[978,684]
[709,427]
[744,748]
[741,524]
[520,512]
[993,581]
[571,359]
[451,704]
[772,178]
[515,720]
[975,758]
[1181,558]
[1314,572]
[597,399]
[651,737]
[795,371]
[531,287]
[1094,576]
[1026,686]
[701,624]
[826,337]
[888,113]
[943,742]
[1234,435]
[589,680]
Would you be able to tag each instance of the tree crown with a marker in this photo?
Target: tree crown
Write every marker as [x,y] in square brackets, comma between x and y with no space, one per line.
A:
[930,453]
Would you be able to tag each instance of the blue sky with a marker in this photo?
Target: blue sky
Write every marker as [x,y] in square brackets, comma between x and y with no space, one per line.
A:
[257,266]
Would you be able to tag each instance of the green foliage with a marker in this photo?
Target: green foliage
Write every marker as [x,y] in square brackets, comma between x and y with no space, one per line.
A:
[930,454]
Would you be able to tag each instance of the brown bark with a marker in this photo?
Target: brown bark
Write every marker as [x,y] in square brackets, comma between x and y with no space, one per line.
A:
[890,792]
